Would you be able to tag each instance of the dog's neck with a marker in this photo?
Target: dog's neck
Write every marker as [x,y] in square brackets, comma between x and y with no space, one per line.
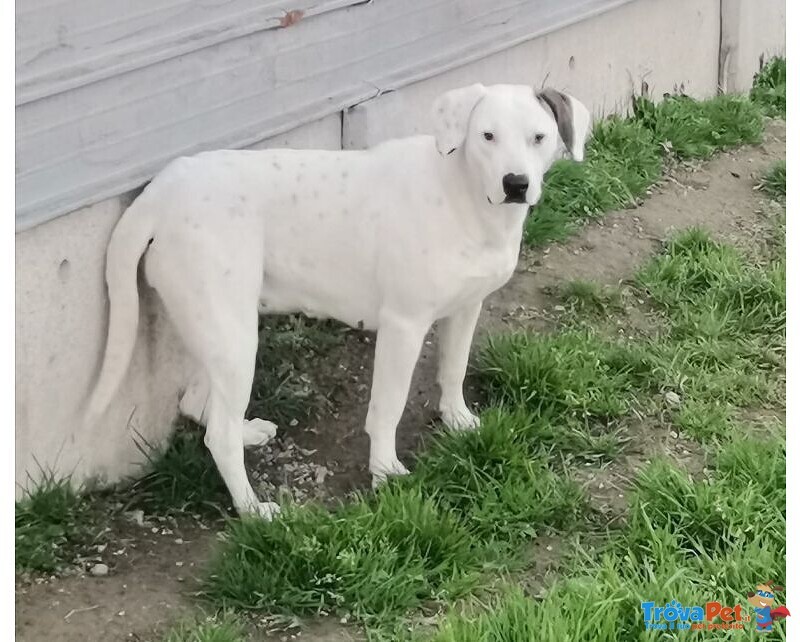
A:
[499,225]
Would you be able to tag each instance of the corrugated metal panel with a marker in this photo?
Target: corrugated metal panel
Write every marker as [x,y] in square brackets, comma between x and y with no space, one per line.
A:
[108,92]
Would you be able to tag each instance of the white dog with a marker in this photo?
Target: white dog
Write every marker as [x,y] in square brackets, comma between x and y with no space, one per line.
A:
[391,239]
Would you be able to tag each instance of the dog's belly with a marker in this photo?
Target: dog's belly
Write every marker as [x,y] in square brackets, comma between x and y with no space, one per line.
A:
[320,299]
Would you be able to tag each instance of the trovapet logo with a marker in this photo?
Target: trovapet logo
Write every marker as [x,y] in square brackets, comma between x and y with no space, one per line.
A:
[709,617]
[715,616]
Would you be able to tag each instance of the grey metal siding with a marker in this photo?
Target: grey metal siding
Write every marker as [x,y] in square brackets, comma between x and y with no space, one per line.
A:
[110,91]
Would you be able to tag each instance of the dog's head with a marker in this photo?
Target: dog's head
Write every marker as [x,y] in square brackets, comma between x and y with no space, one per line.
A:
[510,135]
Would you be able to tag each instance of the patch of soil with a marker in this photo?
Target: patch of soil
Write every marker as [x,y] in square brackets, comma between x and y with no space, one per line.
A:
[150,586]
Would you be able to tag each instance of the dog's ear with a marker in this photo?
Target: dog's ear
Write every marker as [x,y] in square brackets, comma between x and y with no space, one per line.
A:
[451,112]
[573,119]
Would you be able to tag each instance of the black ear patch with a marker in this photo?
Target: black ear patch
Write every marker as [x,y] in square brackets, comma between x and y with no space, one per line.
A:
[561,108]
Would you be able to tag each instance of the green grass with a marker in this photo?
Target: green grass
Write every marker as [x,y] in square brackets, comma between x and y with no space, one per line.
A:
[625,156]
[589,298]
[180,477]
[284,387]
[221,629]
[373,558]
[498,482]
[773,182]
[704,420]
[684,540]
[769,88]
[726,342]
[573,374]
[690,128]
[52,523]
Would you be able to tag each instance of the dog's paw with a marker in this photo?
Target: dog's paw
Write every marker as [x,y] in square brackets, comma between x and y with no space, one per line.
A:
[382,471]
[258,432]
[266,510]
[459,418]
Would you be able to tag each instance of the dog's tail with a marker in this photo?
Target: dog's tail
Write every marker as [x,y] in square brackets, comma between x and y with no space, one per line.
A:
[129,241]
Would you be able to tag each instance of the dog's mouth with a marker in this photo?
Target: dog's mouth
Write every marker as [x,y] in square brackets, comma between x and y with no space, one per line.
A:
[513,200]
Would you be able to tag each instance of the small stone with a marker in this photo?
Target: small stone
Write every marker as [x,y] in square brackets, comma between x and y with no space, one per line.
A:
[673,434]
[559,308]
[672,399]
[179,540]
[321,474]
[136,516]
[293,423]
[99,570]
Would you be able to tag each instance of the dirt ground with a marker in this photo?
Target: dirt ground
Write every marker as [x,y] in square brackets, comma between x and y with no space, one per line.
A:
[154,566]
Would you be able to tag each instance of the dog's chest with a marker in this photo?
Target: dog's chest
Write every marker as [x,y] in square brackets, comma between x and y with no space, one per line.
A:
[471,273]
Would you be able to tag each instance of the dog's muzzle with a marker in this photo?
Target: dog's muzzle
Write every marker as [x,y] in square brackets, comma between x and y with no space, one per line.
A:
[515,187]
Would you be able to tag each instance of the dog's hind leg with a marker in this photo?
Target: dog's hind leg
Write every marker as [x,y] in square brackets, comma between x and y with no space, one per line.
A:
[194,404]
[194,400]
[216,314]
[231,379]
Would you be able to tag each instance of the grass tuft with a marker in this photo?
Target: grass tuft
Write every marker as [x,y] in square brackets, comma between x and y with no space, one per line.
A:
[221,629]
[769,88]
[773,182]
[574,374]
[497,481]
[371,558]
[51,523]
[181,477]
[690,128]
[283,385]
[588,297]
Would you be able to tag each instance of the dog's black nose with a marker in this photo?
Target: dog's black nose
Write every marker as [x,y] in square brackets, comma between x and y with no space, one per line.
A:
[515,186]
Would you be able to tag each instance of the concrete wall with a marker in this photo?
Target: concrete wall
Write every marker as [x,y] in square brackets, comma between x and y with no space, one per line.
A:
[751,32]
[60,296]
[602,61]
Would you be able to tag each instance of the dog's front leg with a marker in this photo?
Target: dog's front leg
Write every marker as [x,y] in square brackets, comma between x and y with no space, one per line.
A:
[454,344]
[396,352]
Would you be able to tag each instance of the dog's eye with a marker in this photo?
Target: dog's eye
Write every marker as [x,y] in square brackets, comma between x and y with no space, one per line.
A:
[488,135]
[538,138]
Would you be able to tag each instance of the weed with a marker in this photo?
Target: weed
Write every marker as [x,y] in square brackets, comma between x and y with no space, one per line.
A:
[773,182]
[373,558]
[418,539]
[180,477]
[692,128]
[588,297]
[51,523]
[497,481]
[574,374]
[625,155]
[283,385]
[704,420]
[215,629]
[769,88]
